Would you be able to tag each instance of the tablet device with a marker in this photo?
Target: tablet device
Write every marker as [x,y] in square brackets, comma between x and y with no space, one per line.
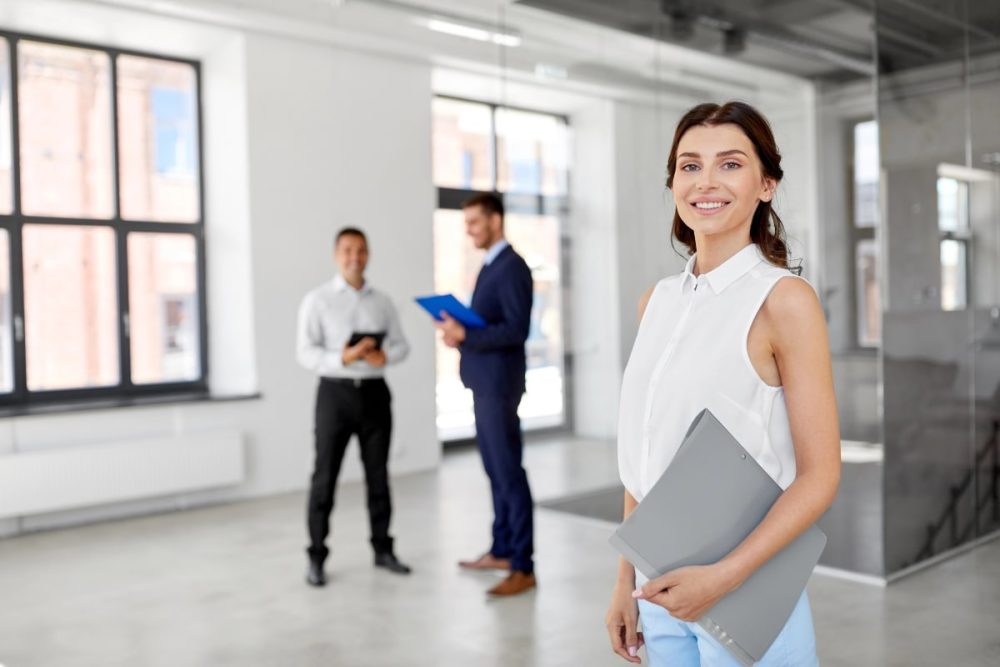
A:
[356,337]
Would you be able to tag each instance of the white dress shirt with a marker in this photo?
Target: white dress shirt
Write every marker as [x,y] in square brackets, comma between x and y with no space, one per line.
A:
[690,353]
[494,251]
[329,315]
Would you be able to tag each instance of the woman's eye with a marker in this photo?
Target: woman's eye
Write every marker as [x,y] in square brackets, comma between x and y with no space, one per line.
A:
[731,165]
[689,167]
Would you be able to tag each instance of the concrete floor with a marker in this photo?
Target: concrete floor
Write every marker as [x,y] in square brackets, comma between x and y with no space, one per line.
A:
[223,586]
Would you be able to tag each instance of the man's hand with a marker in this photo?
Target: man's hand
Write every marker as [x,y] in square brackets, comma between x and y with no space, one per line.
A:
[376,358]
[353,353]
[452,330]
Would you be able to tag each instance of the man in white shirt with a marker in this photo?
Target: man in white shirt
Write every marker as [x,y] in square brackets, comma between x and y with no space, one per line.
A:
[347,334]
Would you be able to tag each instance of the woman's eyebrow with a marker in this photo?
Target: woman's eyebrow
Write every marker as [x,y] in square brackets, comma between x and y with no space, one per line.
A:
[732,151]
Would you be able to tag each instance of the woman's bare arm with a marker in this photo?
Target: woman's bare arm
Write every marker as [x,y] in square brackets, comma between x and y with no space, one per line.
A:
[798,337]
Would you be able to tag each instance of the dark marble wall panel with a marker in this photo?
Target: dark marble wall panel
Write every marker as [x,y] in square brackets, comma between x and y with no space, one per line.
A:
[928,430]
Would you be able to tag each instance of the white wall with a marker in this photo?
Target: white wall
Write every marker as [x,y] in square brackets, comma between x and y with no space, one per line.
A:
[594,341]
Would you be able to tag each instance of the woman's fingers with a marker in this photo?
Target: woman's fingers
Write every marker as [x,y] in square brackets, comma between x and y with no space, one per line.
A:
[631,638]
[618,634]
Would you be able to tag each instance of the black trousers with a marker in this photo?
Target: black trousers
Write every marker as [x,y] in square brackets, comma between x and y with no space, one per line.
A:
[345,408]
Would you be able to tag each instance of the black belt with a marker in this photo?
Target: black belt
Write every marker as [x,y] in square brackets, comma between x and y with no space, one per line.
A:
[353,382]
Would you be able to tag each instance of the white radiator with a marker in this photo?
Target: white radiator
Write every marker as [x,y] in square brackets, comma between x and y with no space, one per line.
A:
[74,477]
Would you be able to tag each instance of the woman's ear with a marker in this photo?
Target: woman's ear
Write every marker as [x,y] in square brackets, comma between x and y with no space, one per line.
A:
[767,193]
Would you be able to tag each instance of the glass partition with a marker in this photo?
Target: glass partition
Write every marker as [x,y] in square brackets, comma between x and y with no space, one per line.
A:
[939,137]
[984,223]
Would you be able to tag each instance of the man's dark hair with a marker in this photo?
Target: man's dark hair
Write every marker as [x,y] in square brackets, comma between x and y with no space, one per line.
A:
[488,201]
[349,231]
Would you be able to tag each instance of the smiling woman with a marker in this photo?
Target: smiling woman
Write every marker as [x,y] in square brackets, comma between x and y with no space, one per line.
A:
[739,334]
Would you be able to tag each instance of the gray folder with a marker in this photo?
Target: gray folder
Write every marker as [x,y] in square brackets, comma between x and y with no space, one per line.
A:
[712,495]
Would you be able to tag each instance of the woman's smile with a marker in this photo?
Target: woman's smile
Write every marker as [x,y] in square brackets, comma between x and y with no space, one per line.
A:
[706,207]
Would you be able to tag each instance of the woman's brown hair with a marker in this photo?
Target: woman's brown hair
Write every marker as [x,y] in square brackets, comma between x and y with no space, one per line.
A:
[766,229]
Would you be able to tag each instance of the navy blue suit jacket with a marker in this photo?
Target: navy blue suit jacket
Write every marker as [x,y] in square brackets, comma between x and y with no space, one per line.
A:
[493,360]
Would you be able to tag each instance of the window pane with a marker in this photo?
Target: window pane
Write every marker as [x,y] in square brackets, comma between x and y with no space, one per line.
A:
[70,307]
[869,308]
[64,106]
[866,168]
[463,150]
[163,308]
[6,184]
[6,339]
[953,205]
[157,140]
[456,265]
[533,152]
[953,278]
[536,238]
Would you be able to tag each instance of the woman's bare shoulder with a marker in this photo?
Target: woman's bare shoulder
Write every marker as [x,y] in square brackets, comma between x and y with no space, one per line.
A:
[793,308]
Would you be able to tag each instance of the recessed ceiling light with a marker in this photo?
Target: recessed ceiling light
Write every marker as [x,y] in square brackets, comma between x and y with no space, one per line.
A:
[478,33]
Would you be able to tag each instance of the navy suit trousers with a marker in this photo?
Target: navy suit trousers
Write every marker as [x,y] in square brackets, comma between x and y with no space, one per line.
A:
[498,433]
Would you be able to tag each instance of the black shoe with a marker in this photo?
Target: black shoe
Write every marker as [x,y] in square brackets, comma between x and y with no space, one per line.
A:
[315,576]
[391,563]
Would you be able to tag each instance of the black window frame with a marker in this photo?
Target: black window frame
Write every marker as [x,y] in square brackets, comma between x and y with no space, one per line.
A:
[15,221]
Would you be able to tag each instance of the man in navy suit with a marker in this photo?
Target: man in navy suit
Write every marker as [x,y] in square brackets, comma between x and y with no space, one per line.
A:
[493,366]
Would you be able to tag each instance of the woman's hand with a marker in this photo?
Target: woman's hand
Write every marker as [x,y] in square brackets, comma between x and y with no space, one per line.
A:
[688,592]
[622,619]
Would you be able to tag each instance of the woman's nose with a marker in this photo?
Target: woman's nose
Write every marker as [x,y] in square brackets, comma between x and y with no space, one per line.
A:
[706,180]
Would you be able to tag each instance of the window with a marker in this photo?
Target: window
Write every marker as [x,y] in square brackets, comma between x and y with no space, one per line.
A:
[868,309]
[101,229]
[953,226]
[156,120]
[524,156]
[6,149]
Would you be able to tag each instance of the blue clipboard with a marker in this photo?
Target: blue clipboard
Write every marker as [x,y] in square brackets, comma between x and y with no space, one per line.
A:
[435,303]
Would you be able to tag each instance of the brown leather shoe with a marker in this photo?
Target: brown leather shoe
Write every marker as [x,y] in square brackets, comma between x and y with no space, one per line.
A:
[485,562]
[516,582]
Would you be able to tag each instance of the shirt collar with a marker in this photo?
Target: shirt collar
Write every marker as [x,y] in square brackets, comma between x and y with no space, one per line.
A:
[494,251]
[729,271]
[339,284]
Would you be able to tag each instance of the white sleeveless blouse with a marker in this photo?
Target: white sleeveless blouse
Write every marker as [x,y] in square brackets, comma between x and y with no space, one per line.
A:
[690,354]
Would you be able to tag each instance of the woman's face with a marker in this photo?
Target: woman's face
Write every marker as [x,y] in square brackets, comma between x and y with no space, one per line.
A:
[718,180]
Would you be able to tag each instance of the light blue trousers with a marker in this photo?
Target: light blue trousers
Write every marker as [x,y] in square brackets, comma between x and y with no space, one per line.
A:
[673,643]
